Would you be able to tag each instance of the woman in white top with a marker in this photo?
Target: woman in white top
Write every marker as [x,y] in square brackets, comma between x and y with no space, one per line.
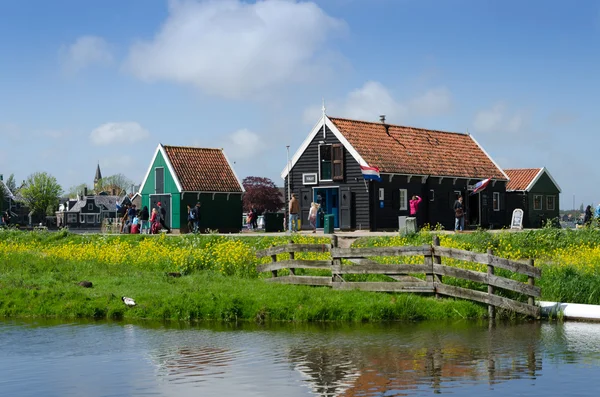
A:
[312,216]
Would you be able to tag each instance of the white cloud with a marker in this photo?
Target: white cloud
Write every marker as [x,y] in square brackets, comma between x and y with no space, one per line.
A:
[433,103]
[243,144]
[374,99]
[119,133]
[234,49]
[84,52]
[498,119]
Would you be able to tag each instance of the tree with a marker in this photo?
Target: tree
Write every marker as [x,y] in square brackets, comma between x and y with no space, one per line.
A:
[76,190]
[119,182]
[11,184]
[262,194]
[41,193]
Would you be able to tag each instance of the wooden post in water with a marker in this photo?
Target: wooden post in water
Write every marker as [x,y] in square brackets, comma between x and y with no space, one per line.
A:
[336,263]
[437,260]
[292,257]
[490,272]
[274,259]
[531,281]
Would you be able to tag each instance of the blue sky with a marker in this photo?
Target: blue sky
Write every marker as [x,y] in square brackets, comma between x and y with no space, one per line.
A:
[82,82]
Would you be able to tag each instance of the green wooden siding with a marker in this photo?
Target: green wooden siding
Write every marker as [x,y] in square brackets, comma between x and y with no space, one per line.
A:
[170,188]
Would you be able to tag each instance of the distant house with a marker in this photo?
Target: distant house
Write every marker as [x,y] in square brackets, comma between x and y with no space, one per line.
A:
[436,165]
[534,191]
[179,176]
[87,211]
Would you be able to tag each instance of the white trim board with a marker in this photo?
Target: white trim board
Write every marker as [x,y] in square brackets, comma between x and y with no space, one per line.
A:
[162,150]
[316,129]
[489,157]
[233,170]
[537,177]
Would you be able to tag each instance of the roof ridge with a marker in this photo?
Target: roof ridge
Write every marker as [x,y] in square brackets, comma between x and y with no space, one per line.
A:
[398,126]
[192,147]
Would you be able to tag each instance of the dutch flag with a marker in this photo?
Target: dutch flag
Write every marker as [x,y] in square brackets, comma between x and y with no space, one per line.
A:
[370,173]
[479,186]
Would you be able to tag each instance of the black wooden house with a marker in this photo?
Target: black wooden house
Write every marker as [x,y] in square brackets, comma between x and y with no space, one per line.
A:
[436,165]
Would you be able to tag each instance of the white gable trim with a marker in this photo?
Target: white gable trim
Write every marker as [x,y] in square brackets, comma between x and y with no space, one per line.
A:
[162,150]
[233,170]
[489,157]
[316,129]
[8,192]
[537,177]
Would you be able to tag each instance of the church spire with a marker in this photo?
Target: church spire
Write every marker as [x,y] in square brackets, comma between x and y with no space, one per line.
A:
[98,174]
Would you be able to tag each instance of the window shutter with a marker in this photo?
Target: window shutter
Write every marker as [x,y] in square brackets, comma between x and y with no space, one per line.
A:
[338,162]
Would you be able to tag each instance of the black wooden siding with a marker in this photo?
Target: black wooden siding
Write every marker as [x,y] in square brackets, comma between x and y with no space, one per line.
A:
[533,218]
[352,184]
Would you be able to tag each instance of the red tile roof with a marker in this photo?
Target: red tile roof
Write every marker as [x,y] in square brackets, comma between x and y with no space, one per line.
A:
[416,151]
[520,178]
[202,169]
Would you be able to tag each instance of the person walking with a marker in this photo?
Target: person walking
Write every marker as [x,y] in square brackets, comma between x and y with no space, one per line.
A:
[254,222]
[144,217]
[197,216]
[154,221]
[312,216]
[459,215]
[587,218]
[190,223]
[294,210]
[162,216]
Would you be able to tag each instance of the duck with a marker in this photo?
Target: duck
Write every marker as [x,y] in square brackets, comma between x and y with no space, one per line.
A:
[128,301]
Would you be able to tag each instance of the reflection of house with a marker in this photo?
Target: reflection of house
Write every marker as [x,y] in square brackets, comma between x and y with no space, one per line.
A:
[179,176]
[535,192]
[435,165]
[87,211]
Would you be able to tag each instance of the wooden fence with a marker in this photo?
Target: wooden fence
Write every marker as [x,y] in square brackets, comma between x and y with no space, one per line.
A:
[359,263]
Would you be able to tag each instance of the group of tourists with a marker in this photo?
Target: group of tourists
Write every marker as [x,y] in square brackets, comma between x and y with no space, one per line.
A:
[136,221]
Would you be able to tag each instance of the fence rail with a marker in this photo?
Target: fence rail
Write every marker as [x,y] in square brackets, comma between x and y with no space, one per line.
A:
[361,262]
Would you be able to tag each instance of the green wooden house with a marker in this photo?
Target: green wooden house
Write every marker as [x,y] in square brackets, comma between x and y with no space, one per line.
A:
[535,192]
[179,176]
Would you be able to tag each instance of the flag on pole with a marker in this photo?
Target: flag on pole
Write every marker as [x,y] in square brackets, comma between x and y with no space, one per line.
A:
[481,185]
[370,173]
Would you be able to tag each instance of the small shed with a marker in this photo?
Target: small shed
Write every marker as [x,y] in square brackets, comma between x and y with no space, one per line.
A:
[179,176]
[536,192]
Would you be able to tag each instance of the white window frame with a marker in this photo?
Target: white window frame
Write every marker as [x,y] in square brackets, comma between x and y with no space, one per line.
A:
[381,194]
[319,160]
[496,199]
[81,218]
[541,202]
[553,203]
[91,217]
[403,199]
[431,195]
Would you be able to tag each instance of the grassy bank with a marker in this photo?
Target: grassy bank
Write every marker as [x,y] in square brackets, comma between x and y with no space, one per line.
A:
[40,272]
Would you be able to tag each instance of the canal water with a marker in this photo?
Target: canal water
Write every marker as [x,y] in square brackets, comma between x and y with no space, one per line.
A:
[40,358]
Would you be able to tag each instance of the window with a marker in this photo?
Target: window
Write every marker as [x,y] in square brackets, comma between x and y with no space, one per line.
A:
[90,207]
[537,202]
[159,181]
[496,201]
[431,195]
[81,218]
[403,200]
[550,203]
[90,218]
[338,162]
[71,218]
[98,218]
[325,162]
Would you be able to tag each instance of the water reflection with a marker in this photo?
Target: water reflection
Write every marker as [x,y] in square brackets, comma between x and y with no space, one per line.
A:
[297,360]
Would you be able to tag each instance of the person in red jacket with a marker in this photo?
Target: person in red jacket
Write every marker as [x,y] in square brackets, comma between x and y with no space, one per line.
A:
[414,205]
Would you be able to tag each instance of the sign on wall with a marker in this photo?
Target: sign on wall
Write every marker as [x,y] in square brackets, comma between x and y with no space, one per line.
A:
[309,179]
[517,219]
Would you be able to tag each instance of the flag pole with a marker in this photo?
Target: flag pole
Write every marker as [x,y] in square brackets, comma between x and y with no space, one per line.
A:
[323,109]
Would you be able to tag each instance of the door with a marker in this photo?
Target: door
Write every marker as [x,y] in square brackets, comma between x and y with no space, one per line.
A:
[473,209]
[485,204]
[165,202]
[328,198]
[305,201]
[346,208]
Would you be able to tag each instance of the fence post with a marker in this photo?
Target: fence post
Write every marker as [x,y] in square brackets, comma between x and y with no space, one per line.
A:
[336,263]
[292,257]
[490,272]
[274,259]
[531,281]
[428,261]
[437,260]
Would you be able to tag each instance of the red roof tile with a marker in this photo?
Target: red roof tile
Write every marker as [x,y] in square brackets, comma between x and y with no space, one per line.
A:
[520,178]
[416,151]
[202,169]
